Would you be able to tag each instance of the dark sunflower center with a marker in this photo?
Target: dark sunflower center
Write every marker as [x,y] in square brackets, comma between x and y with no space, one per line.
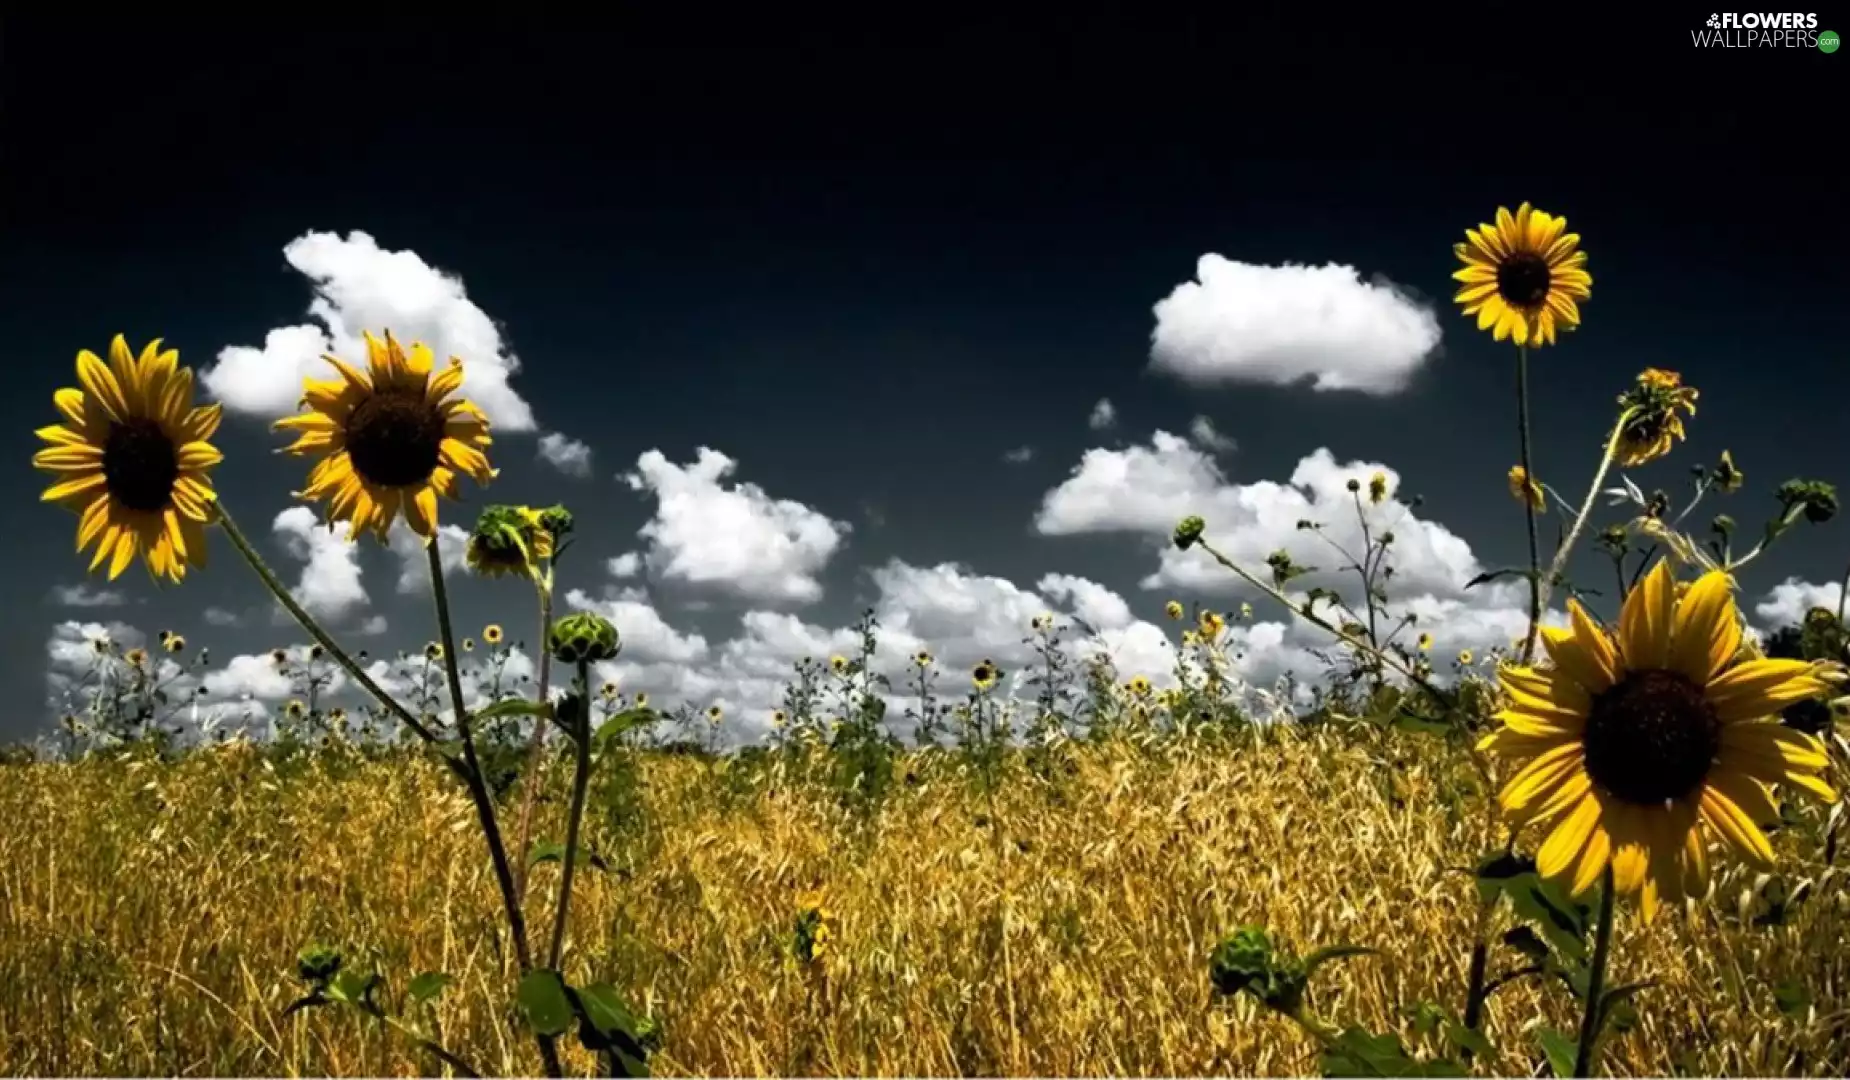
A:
[1651,738]
[140,464]
[394,438]
[1523,280]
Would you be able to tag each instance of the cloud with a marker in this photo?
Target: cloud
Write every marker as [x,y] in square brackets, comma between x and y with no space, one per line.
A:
[735,540]
[414,557]
[1104,415]
[1279,325]
[330,586]
[1202,431]
[1021,455]
[359,285]
[626,565]
[83,595]
[566,454]
[218,616]
[1785,604]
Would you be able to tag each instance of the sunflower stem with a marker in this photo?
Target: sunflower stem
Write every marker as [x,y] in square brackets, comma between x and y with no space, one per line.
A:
[1590,1020]
[478,792]
[1528,507]
[1586,510]
[308,623]
[581,775]
[1843,593]
[536,743]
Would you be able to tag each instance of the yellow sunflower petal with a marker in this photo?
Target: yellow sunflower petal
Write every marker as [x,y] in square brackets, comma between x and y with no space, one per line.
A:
[1772,751]
[1561,850]
[125,552]
[1757,688]
[81,457]
[1753,798]
[64,490]
[70,403]
[100,386]
[90,526]
[1734,827]
[1590,667]
[1598,852]
[1631,852]
[199,455]
[1645,620]
[1706,632]
[421,511]
[127,370]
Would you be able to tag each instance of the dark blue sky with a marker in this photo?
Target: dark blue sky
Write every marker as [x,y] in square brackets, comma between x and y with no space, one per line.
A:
[866,265]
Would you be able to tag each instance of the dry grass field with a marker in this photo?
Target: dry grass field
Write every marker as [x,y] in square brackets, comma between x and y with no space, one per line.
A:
[151,913]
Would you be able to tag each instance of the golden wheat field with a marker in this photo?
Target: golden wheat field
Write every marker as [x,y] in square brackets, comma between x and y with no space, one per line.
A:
[151,912]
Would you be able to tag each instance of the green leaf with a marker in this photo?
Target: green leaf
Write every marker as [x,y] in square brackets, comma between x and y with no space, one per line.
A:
[1409,721]
[1614,1003]
[1319,957]
[1426,1016]
[543,1003]
[1496,575]
[1524,941]
[1359,1053]
[428,985]
[351,988]
[1560,1049]
[1471,1039]
[511,707]
[609,1025]
[621,723]
[1793,999]
[554,851]
[1561,919]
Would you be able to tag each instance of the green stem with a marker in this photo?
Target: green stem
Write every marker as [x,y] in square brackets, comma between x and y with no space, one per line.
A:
[308,623]
[581,775]
[478,790]
[1843,594]
[1528,508]
[536,743]
[1596,979]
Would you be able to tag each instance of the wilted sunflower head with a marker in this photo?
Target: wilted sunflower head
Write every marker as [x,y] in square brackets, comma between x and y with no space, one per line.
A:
[1726,478]
[390,439]
[1377,487]
[1655,425]
[1525,488]
[131,459]
[1522,276]
[508,540]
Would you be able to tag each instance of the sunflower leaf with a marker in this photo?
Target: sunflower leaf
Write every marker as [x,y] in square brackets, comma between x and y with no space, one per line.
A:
[1357,1052]
[1793,999]
[1318,957]
[553,851]
[1560,1050]
[512,707]
[1489,576]
[543,1003]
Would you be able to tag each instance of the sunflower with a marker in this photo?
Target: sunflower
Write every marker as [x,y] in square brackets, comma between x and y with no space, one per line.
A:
[1377,488]
[1522,276]
[922,658]
[984,675]
[1524,488]
[1633,748]
[838,664]
[391,440]
[1211,625]
[1139,685]
[492,633]
[508,540]
[1173,609]
[1655,427]
[131,457]
[715,713]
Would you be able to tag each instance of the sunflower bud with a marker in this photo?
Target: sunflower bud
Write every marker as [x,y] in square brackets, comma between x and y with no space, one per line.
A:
[1354,485]
[1247,963]
[507,540]
[1189,531]
[1726,478]
[1722,526]
[317,964]
[557,520]
[583,638]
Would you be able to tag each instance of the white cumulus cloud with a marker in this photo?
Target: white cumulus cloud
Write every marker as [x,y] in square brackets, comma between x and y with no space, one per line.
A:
[1786,603]
[84,595]
[731,539]
[566,454]
[360,286]
[1207,436]
[1021,455]
[1279,325]
[330,586]
[1104,415]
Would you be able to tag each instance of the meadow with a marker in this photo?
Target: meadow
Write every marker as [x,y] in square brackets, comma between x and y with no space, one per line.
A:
[153,911]
[1608,845]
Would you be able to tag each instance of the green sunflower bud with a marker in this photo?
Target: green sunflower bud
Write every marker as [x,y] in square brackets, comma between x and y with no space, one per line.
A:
[583,638]
[1189,531]
[316,964]
[557,520]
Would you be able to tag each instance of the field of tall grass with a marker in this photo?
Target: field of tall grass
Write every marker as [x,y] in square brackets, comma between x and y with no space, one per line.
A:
[1059,923]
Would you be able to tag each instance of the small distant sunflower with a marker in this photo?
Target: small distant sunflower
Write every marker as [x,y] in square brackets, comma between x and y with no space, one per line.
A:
[1246,610]
[1377,488]
[1139,685]
[131,457]
[391,439]
[715,714]
[608,690]
[778,719]
[295,710]
[922,658]
[1425,642]
[642,701]
[1173,609]
[174,643]
[492,633]
[1654,430]
[1524,488]
[279,657]
[984,675]
[137,658]
[1633,748]
[433,651]
[1211,626]
[468,644]
[1522,276]
[838,664]
[1466,657]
